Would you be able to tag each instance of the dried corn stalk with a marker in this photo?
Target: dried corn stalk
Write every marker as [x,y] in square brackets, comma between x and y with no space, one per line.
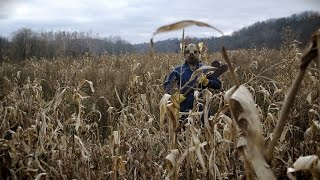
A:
[174,161]
[78,98]
[309,54]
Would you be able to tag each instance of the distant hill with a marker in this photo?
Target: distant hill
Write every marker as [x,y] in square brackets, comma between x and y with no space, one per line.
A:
[27,44]
[267,34]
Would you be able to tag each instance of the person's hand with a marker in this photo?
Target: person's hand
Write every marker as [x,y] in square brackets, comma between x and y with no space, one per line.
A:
[203,79]
[177,98]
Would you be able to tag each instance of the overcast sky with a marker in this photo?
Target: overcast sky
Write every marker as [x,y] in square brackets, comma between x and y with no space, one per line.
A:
[136,20]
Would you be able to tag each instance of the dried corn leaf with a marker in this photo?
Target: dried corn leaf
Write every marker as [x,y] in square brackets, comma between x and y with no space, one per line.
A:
[242,142]
[226,119]
[172,159]
[197,146]
[183,24]
[305,163]
[207,97]
[196,73]
[309,98]
[175,161]
[316,124]
[247,117]
[40,175]
[82,82]
[213,165]
[84,151]
[187,151]
[58,99]
[173,114]
[121,166]
[313,131]
[144,99]
[116,137]
[200,158]
[121,103]
[163,108]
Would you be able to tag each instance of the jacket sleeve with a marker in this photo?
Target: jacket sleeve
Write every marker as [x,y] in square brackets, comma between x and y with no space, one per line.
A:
[214,83]
[171,80]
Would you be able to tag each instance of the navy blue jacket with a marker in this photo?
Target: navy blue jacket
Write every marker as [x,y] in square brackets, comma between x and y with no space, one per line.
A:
[184,73]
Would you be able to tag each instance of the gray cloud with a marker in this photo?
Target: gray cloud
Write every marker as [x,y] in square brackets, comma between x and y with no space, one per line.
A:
[136,20]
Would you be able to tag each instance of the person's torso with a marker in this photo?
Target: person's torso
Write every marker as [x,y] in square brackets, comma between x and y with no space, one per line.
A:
[185,73]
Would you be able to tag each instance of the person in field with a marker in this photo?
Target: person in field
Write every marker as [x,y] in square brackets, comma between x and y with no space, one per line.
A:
[181,74]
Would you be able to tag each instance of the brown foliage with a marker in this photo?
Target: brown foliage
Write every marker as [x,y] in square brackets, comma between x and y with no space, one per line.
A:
[51,126]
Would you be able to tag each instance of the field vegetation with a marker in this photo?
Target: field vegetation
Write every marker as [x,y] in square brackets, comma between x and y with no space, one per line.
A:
[98,117]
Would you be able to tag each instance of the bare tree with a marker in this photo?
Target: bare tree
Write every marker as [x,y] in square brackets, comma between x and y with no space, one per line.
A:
[23,41]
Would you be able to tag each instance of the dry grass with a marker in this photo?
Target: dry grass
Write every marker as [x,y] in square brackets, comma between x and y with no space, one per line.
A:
[53,124]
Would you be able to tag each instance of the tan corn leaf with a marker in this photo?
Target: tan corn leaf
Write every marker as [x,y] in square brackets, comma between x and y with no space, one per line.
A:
[313,131]
[242,142]
[309,98]
[213,165]
[173,114]
[218,136]
[163,108]
[26,148]
[84,151]
[226,119]
[227,133]
[83,81]
[198,72]
[18,74]
[78,120]
[308,134]
[196,95]
[58,99]
[121,166]
[277,91]
[201,46]
[181,46]
[247,117]
[183,24]
[306,163]
[172,159]
[207,97]
[316,124]
[200,158]
[121,103]
[207,68]
[40,175]
[187,151]
[197,143]
[270,118]
[116,137]
[91,85]
[144,99]
[284,133]
[110,109]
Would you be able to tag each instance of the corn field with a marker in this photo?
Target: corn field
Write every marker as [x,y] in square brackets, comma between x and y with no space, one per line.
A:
[106,117]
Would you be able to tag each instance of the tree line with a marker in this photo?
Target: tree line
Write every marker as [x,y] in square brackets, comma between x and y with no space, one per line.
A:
[26,43]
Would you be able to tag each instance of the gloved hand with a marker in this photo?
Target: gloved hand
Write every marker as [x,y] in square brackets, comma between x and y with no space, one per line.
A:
[203,79]
[177,98]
